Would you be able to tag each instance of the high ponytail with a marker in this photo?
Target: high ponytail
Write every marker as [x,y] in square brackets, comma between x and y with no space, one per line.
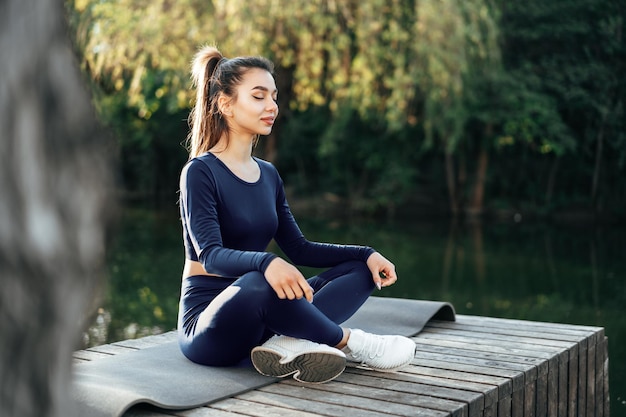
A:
[213,75]
[203,66]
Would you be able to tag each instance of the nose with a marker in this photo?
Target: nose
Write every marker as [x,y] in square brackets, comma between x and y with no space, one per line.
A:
[272,106]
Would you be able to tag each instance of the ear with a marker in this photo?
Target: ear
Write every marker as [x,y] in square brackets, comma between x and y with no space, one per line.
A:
[224,104]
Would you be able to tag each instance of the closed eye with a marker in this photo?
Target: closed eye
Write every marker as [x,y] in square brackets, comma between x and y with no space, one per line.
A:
[275,99]
[263,90]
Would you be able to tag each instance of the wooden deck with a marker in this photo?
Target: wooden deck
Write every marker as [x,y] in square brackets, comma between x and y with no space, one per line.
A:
[476,366]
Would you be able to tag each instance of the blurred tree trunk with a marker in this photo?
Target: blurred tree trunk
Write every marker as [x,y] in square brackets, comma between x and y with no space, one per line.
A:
[597,167]
[476,205]
[54,183]
[552,181]
[451,183]
[478,193]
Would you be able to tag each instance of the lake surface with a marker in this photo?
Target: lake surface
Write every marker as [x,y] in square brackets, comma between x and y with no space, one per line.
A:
[523,270]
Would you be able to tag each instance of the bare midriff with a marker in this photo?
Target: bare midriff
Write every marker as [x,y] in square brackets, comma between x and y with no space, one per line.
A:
[195,268]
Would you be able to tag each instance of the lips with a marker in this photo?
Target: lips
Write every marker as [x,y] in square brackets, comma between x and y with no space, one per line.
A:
[268,120]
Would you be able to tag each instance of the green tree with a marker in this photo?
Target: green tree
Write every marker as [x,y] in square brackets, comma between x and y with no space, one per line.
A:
[137,55]
[569,56]
[381,98]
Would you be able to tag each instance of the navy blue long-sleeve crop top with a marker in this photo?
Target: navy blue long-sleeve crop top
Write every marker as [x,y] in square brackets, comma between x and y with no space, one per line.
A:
[228,223]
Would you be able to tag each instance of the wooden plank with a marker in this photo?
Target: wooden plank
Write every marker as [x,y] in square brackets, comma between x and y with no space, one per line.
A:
[505,406]
[490,392]
[541,396]
[558,328]
[547,388]
[529,399]
[533,380]
[562,383]
[572,386]
[581,390]
[605,382]
[509,335]
[573,394]
[89,355]
[405,384]
[523,403]
[591,378]
[523,347]
[207,411]
[470,350]
[491,411]
[517,403]
[476,366]
[511,371]
[549,334]
[111,349]
[546,392]
[147,341]
[599,385]
[381,401]
[520,347]
[527,339]
[273,407]
[501,386]
[453,408]
[519,328]
[98,352]
[204,412]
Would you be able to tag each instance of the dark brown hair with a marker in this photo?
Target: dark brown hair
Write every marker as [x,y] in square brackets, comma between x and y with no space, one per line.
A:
[213,76]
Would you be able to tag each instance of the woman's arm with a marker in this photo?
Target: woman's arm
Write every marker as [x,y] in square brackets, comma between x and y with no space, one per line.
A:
[302,251]
[198,199]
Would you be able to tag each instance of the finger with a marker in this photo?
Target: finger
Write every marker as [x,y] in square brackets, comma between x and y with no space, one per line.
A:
[308,292]
[378,279]
[389,277]
[304,289]
[297,291]
[388,282]
[290,293]
[280,293]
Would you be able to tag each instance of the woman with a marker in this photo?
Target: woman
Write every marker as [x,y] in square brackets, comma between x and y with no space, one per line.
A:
[238,300]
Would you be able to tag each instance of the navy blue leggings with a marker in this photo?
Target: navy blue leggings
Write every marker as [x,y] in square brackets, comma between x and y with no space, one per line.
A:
[220,320]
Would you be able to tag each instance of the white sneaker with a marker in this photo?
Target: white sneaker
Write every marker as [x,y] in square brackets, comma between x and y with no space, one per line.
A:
[307,361]
[379,353]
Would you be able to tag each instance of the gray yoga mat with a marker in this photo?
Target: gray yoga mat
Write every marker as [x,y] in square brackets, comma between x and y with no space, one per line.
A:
[163,377]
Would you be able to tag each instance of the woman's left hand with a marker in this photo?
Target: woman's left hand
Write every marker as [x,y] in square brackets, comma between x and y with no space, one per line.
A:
[383,271]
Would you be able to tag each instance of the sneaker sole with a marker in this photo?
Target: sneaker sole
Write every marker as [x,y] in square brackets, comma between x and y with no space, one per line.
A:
[367,367]
[312,367]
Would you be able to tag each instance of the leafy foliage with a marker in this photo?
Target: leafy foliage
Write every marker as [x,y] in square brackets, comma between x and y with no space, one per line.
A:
[372,92]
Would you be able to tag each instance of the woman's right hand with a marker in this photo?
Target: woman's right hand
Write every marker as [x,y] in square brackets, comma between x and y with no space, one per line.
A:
[287,281]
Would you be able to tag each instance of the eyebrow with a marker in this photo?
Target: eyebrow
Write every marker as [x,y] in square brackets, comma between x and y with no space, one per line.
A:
[260,87]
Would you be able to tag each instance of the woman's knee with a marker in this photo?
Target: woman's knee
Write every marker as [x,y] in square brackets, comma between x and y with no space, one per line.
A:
[361,270]
[365,275]
[353,273]
[361,267]
[254,284]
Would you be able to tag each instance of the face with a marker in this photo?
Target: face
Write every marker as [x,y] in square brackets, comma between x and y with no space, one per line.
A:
[254,110]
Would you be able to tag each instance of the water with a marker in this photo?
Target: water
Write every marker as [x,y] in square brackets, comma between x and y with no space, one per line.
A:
[519,270]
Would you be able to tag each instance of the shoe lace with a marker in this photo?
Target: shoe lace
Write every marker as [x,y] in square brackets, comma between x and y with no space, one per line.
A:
[373,346]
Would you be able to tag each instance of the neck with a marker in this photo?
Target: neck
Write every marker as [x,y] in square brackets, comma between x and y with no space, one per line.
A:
[237,149]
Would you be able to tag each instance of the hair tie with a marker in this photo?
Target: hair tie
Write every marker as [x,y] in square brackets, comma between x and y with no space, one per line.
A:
[213,84]
[219,64]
